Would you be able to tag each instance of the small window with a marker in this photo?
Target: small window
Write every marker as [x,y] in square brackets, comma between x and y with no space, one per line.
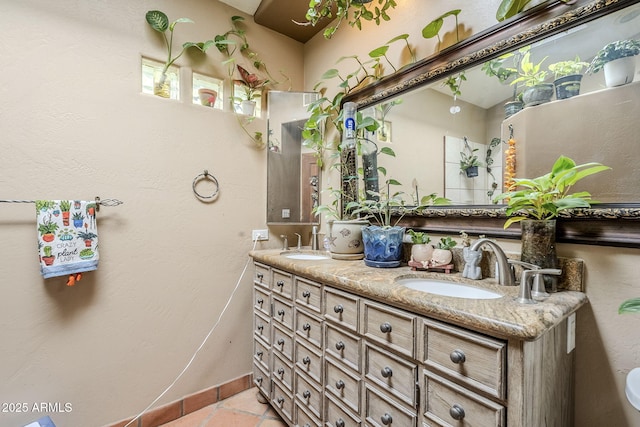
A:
[151,73]
[241,94]
[208,91]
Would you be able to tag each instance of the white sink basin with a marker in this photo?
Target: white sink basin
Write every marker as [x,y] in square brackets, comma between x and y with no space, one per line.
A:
[447,289]
[308,257]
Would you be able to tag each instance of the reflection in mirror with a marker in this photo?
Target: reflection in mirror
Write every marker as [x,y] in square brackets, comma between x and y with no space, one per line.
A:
[428,125]
[293,176]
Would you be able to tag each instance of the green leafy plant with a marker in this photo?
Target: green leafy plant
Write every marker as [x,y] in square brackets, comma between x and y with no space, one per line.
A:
[77,216]
[47,227]
[65,205]
[446,243]
[529,73]
[546,196]
[86,235]
[353,11]
[630,306]
[568,68]
[47,251]
[159,21]
[509,8]
[433,28]
[455,82]
[612,51]
[505,67]
[468,157]
[419,237]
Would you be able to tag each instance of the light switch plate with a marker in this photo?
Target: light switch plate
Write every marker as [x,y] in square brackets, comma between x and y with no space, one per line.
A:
[259,235]
[571,333]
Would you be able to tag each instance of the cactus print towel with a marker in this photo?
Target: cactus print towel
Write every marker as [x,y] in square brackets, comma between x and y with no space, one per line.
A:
[67,237]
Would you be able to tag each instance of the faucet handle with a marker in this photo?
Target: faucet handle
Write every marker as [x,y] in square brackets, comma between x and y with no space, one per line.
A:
[299,241]
[526,265]
[285,242]
[538,289]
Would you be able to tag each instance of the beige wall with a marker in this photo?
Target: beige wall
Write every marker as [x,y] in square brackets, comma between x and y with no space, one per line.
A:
[607,344]
[75,125]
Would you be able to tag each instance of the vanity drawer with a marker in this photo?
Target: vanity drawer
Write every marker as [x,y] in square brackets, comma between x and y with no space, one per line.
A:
[282,371]
[443,400]
[261,379]
[282,402]
[282,341]
[344,385]
[282,283]
[308,361]
[303,419]
[343,346]
[308,294]
[261,275]
[261,354]
[341,308]
[308,394]
[282,313]
[337,415]
[381,410]
[261,300]
[261,327]
[391,373]
[472,359]
[308,327]
[389,327]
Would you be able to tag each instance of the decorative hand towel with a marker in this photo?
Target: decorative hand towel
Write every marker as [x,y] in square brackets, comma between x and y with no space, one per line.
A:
[67,237]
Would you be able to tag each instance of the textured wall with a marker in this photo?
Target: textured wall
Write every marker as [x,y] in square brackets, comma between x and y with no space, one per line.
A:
[75,125]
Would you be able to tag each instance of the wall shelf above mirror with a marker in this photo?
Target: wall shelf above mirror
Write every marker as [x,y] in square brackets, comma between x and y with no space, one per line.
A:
[432,121]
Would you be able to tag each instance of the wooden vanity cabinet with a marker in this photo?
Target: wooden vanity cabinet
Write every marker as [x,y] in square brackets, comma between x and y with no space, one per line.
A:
[325,357]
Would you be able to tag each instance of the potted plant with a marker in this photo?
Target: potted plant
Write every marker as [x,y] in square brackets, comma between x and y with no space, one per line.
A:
[87,236]
[469,161]
[160,22]
[630,306]
[47,257]
[48,229]
[536,202]
[78,219]
[253,87]
[533,77]
[65,206]
[207,97]
[421,250]
[568,76]
[618,61]
[500,69]
[442,253]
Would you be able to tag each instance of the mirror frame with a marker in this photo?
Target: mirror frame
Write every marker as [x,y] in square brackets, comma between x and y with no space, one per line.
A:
[615,224]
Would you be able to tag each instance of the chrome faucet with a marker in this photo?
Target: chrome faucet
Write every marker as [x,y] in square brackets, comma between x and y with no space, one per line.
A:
[285,242]
[538,284]
[505,275]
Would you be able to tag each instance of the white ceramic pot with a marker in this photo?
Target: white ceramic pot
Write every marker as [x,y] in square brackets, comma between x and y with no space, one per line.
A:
[248,107]
[421,252]
[441,257]
[345,239]
[620,71]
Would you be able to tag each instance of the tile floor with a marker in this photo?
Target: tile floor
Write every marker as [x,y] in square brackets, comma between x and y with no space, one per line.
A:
[240,410]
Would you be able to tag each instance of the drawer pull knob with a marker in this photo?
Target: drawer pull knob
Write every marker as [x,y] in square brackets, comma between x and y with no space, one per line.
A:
[260,301]
[306,425]
[280,400]
[340,422]
[260,327]
[339,384]
[386,372]
[280,371]
[259,380]
[385,327]
[306,327]
[457,356]
[339,346]
[306,294]
[338,308]
[259,354]
[259,276]
[306,360]
[306,394]
[281,313]
[456,412]
[281,342]
[386,419]
[280,283]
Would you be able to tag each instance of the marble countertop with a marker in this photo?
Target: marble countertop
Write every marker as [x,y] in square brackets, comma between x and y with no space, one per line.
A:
[502,317]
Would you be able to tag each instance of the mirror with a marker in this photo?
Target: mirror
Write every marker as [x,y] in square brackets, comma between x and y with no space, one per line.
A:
[293,176]
[428,129]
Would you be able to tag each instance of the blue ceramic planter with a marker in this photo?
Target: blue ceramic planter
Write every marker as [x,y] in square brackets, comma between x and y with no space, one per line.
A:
[382,246]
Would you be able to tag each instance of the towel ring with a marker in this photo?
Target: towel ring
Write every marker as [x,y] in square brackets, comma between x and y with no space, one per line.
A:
[205,175]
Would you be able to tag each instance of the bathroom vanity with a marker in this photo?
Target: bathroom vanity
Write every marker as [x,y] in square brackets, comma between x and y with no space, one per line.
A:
[340,344]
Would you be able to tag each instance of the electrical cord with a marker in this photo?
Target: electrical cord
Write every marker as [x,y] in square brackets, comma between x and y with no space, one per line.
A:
[206,338]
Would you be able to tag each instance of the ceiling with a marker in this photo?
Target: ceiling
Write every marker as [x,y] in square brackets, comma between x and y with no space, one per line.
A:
[279,15]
